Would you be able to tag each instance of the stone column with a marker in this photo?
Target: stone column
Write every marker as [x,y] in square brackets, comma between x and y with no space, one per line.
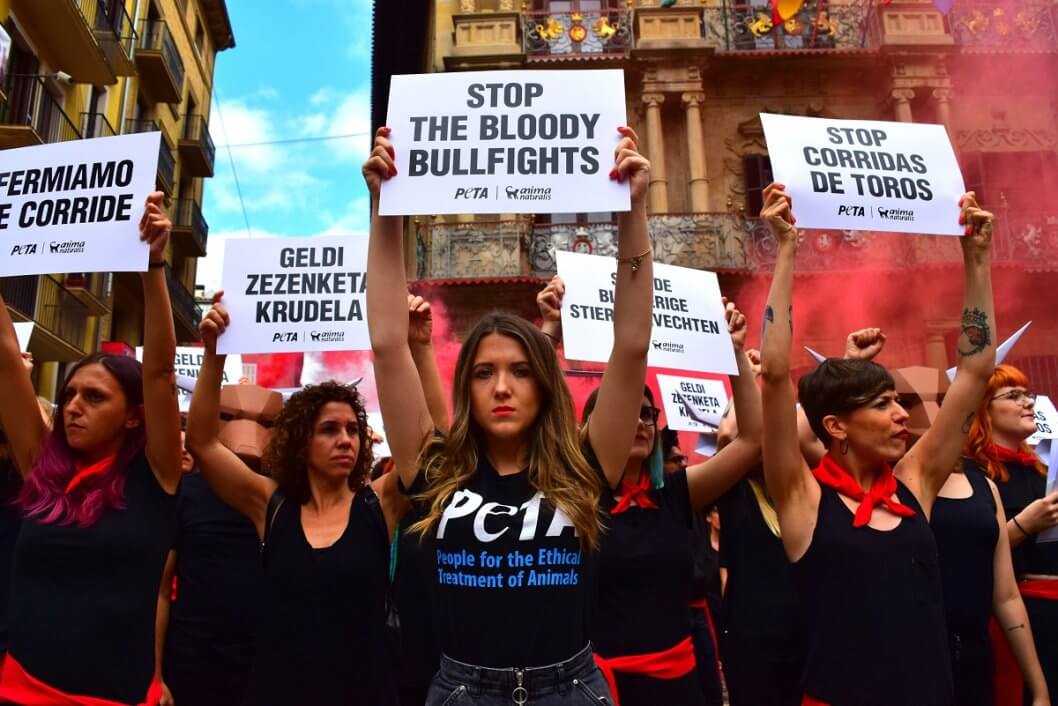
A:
[942,98]
[659,183]
[699,181]
[902,104]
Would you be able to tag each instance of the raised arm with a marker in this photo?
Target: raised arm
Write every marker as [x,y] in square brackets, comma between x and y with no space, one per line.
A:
[549,301]
[161,409]
[787,476]
[1009,610]
[927,465]
[232,480]
[25,429]
[400,394]
[709,480]
[612,426]
[420,341]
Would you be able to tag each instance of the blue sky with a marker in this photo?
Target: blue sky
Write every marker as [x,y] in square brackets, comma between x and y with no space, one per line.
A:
[299,69]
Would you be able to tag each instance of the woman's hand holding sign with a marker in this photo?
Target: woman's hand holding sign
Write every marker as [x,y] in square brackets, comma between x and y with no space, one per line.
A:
[631,165]
[979,224]
[214,324]
[736,325]
[155,227]
[381,164]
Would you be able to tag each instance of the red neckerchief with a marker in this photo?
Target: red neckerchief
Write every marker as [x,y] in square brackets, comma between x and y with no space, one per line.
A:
[1001,454]
[639,492]
[85,473]
[830,473]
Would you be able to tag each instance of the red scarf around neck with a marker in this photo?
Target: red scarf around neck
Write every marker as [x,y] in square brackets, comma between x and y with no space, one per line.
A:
[638,492]
[1002,454]
[90,471]
[830,473]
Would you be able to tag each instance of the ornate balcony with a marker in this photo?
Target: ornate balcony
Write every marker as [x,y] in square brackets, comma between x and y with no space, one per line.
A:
[724,242]
[1018,26]
[592,34]
[166,160]
[96,125]
[116,36]
[746,26]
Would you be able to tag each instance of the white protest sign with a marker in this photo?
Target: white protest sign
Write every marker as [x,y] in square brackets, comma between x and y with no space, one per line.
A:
[866,175]
[23,332]
[188,362]
[706,444]
[380,448]
[689,331]
[692,404]
[1051,535]
[1046,421]
[291,295]
[505,142]
[75,206]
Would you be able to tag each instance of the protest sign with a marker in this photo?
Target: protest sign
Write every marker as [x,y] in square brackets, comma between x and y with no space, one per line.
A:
[292,295]
[379,448]
[689,331]
[1046,421]
[706,444]
[23,332]
[1051,535]
[76,206]
[188,362]
[866,175]
[505,142]
[692,404]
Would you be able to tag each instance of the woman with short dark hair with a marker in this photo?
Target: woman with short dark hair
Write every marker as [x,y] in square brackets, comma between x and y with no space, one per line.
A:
[856,528]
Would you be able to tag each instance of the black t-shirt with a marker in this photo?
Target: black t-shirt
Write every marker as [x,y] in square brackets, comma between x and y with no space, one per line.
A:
[760,602]
[512,587]
[1024,486]
[645,573]
[321,639]
[83,599]
[10,521]
[213,621]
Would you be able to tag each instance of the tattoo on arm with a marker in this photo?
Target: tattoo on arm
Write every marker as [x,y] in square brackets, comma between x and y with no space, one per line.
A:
[769,318]
[977,331]
[967,422]
[791,319]
[1012,628]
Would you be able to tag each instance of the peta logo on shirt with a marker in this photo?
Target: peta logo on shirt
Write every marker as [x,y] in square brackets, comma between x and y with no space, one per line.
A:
[493,520]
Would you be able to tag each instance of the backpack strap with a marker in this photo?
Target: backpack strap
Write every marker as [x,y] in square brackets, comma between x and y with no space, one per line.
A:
[271,512]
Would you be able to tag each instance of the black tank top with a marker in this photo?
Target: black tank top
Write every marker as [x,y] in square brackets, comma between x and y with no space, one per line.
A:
[873,610]
[10,521]
[322,633]
[966,533]
[83,599]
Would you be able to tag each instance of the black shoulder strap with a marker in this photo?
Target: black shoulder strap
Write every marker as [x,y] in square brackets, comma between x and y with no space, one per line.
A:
[274,503]
[979,483]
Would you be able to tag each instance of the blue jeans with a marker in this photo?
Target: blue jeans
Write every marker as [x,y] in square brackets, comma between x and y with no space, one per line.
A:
[574,682]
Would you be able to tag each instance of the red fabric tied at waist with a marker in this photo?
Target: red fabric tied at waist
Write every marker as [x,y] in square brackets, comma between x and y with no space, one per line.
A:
[672,663]
[1047,589]
[807,700]
[20,687]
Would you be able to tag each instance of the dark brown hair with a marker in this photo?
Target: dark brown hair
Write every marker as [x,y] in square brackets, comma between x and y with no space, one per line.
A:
[284,458]
[839,386]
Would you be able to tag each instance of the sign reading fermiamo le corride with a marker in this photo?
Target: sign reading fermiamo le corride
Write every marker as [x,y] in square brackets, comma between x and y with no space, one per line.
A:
[866,175]
[76,206]
[505,142]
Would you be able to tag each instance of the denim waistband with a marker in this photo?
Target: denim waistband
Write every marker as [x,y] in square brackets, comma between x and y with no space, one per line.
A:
[546,677]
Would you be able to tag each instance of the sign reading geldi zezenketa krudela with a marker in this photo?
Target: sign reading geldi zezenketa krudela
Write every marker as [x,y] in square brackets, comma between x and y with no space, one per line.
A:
[287,295]
[505,142]
[76,206]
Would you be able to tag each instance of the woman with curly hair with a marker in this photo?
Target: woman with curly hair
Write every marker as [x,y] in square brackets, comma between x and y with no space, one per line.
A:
[996,448]
[510,504]
[324,531]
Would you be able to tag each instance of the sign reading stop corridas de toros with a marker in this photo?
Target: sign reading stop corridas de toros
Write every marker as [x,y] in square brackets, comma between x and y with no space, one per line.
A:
[505,142]
[289,295]
[76,206]
[866,175]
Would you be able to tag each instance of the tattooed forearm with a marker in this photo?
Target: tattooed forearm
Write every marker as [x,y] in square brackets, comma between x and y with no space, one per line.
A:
[977,331]
[791,319]
[1012,628]
[967,422]
[768,318]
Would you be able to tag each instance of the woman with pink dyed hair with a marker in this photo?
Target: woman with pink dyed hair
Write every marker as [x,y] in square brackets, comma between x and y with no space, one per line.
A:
[97,503]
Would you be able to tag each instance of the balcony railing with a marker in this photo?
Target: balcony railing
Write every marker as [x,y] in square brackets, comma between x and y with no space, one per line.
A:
[748,26]
[185,310]
[61,312]
[160,61]
[1007,25]
[92,289]
[166,160]
[114,31]
[96,125]
[565,35]
[187,216]
[21,293]
[30,104]
[197,146]
[715,241]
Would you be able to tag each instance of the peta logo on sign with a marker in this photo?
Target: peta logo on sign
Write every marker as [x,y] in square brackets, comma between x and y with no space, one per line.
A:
[472,193]
[493,520]
[857,211]
[27,249]
[285,337]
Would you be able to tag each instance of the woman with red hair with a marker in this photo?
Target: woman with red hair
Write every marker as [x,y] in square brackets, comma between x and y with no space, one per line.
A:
[996,446]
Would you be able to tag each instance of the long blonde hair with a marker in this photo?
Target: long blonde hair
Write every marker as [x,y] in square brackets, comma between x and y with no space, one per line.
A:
[557,467]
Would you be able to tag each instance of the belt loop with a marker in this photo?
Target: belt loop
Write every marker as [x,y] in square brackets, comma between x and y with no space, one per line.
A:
[560,677]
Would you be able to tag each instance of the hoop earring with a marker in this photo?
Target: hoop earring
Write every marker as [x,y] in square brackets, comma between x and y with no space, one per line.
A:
[844,446]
